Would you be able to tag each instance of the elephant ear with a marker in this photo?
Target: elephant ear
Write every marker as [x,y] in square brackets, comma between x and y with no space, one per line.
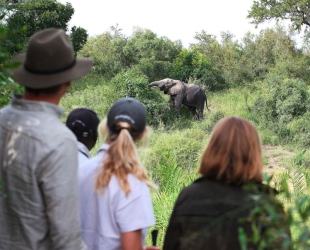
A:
[170,85]
[174,89]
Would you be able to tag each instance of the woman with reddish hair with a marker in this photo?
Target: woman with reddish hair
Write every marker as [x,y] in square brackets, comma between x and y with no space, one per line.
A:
[211,212]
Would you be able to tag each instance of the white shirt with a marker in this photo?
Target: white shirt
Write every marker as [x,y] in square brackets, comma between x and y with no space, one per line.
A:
[84,153]
[105,216]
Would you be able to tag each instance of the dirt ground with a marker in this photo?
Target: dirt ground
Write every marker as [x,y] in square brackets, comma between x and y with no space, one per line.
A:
[276,159]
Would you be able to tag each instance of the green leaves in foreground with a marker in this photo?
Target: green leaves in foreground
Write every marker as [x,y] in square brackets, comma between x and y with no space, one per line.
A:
[288,228]
[269,224]
[7,86]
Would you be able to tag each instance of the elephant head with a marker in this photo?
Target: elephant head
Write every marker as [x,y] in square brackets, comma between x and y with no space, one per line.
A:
[169,86]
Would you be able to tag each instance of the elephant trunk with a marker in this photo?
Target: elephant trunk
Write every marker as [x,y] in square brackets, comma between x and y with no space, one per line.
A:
[157,84]
[154,84]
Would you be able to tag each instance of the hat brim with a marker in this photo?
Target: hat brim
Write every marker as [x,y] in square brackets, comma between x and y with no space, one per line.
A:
[40,81]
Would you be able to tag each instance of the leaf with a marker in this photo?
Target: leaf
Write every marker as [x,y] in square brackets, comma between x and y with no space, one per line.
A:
[242,238]
[13,65]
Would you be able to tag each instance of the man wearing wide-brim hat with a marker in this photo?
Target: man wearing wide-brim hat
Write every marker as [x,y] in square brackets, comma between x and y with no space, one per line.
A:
[38,154]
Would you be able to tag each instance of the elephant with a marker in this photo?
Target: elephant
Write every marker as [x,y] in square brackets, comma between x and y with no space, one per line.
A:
[180,93]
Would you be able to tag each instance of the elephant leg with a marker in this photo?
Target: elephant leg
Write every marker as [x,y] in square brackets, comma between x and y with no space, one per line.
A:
[193,111]
[200,114]
[172,102]
[177,103]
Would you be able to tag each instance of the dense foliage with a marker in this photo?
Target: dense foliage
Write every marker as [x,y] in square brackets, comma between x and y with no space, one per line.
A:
[7,84]
[113,52]
[35,15]
[282,106]
[252,58]
[192,64]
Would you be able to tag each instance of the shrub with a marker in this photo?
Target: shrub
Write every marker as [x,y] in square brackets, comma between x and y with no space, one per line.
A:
[192,64]
[133,83]
[101,49]
[286,99]
[280,103]
[300,130]
[155,70]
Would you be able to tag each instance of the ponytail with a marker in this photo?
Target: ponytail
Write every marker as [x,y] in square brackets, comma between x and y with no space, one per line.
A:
[122,159]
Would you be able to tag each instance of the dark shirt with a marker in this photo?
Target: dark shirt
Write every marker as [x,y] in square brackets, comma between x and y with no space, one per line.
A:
[209,214]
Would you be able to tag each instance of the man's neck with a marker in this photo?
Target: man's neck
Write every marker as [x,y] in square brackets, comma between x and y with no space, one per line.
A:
[41,98]
[46,97]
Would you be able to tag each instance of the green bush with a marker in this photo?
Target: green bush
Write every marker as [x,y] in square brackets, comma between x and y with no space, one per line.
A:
[101,49]
[192,64]
[133,83]
[280,103]
[300,130]
[285,99]
[155,70]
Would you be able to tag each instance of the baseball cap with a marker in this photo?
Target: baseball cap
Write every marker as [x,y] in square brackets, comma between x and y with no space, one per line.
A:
[127,110]
[83,122]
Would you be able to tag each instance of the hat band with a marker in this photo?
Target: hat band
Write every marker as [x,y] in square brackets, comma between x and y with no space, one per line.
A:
[49,72]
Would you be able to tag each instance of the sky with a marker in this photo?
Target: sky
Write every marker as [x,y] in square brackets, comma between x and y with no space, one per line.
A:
[175,19]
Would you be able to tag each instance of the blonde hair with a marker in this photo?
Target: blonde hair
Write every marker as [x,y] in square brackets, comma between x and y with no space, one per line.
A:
[122,157]
[234,153]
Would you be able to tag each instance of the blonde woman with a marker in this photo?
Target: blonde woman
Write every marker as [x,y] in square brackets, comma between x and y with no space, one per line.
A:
[208,214]
[115,202]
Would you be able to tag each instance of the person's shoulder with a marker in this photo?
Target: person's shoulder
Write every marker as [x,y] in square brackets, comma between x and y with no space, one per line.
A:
[55,129]
[212,189]
[90,162]
[138,188]
[89,166]
[135,183]
[82,158]
[202,182]
[5,110]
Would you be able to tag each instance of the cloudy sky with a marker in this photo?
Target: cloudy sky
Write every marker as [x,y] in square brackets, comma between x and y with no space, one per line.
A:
[177,20]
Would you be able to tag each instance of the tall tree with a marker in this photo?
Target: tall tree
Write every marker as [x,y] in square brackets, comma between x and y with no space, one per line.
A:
[35,15]
[296,11]
[101,49]
[78,38]
[223,55]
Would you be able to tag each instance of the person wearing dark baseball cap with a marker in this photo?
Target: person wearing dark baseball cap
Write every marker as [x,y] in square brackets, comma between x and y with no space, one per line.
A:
[84,123]
[38,152]
[115,202]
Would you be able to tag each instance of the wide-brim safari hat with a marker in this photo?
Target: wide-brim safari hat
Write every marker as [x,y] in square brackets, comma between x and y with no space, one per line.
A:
[49,61]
